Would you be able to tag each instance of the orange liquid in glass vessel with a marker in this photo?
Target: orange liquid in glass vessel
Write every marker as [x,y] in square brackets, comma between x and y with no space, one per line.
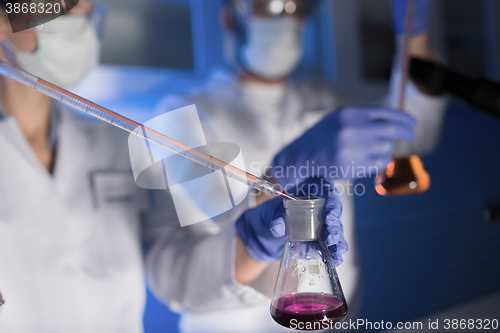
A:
[403,176]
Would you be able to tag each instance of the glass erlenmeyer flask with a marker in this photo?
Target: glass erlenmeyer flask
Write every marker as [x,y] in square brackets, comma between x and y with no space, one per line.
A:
[403,176]
[307,292]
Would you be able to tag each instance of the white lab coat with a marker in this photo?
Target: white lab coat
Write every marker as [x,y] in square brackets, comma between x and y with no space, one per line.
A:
[70,244]
[234,112]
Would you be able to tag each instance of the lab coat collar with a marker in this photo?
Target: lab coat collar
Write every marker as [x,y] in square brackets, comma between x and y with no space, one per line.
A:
[29,170]
[223,75]
[55,116]
[76,146]
[226,75]
[223,83]
[12,133]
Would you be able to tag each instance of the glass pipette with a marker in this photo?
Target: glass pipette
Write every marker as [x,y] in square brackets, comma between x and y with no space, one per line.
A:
[140,130]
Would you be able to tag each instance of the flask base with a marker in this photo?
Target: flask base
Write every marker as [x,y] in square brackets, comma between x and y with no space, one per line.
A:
[308,311]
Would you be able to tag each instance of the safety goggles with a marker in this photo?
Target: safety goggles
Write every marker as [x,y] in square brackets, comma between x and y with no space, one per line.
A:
[95,18]
[273,8]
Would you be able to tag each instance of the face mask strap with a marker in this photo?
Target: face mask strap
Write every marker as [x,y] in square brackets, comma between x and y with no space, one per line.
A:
[239,26]
[97,17]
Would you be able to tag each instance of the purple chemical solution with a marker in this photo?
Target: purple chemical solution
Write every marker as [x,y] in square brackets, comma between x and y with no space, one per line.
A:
[308,308]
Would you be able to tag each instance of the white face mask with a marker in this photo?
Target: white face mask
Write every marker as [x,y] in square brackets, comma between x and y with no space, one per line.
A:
[65,56]
[274,47]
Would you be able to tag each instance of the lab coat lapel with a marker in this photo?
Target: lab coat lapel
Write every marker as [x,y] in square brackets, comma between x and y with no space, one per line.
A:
[11,133]
[74,153]
[290,111]
[303,107]
[93,168]
[28,198]
[24,182]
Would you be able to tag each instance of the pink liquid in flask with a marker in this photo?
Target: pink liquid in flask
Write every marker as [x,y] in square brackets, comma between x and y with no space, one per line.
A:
[297,310]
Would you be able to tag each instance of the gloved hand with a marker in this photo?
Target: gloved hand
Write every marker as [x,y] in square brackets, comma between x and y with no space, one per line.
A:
[351,142]
[420,16]
[263,229]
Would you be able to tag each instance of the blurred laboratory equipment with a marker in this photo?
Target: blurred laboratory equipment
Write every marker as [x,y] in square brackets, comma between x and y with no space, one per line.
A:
[2,302]
[492,212]
[480,93]
[140,130]
[405,175]
[308,289]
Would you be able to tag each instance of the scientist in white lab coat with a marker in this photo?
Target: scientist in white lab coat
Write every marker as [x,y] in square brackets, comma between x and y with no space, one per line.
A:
[253,103]
[72,218]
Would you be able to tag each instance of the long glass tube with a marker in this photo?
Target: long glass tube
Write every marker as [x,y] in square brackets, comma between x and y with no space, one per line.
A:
[140,130]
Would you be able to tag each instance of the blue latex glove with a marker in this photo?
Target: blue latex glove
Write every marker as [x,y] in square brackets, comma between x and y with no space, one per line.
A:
[352,142]
[420,16]
[263,229]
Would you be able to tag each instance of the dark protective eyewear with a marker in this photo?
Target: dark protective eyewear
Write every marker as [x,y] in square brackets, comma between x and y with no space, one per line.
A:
[272,8]
[22,21]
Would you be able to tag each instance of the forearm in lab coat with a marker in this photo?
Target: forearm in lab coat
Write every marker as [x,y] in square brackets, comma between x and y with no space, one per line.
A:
[192,269]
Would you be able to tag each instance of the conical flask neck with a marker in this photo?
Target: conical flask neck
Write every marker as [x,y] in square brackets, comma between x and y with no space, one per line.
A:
[304,218]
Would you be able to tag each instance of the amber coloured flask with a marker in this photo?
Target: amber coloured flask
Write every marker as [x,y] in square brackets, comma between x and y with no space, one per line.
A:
[403,176]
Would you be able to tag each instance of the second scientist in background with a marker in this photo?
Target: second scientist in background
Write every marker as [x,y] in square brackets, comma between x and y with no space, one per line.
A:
[254,103]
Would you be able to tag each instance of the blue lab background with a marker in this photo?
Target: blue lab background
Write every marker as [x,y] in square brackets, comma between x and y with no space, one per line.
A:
[419,254]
